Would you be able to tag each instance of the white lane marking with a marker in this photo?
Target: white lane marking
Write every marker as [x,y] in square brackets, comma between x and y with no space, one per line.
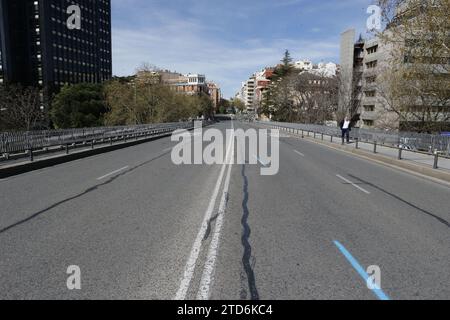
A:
[260,162]
[299,153]
[193,256]
[353,184]
[210,264]
[112,173]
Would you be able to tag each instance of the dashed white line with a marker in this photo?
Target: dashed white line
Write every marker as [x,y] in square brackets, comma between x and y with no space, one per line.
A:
[353,184]
[112,173]
[299,153]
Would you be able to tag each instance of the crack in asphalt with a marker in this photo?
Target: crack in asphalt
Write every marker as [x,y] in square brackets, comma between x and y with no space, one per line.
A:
[248,267]
[441,220]
[89,190]
[212,219]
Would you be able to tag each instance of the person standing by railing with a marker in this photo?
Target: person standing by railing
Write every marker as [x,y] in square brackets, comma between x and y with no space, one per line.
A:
[345,126]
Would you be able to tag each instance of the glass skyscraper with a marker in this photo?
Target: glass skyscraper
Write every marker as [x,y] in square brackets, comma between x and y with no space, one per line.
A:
[39,49]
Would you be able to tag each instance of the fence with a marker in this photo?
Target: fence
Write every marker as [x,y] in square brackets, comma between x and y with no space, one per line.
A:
[406,140]
[22,142]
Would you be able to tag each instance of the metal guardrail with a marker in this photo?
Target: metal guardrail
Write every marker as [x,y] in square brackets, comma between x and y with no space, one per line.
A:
[412,141]
[12,143]
[436,146]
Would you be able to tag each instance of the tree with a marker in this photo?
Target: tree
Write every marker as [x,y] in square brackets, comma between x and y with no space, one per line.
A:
[78,106]
[206,106]
[315,97]
[145,102]
[286,65]
[285,68]
[238,104]
[224,106]
[277,100]
[350,95]
[20,108]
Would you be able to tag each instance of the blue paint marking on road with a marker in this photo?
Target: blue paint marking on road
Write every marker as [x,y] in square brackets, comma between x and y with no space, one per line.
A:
[379,293]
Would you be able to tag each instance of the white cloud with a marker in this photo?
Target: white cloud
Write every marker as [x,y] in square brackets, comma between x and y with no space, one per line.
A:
[181,45]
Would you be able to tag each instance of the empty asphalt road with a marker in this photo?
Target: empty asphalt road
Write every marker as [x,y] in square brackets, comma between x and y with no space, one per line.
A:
[140,227]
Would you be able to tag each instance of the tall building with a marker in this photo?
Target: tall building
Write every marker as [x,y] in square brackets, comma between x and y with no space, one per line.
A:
[351,72]
[370,105]
[397,80]
[253,90]
[40,46]
[250,93]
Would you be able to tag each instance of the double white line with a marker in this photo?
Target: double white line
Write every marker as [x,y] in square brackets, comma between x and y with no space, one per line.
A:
[209,267]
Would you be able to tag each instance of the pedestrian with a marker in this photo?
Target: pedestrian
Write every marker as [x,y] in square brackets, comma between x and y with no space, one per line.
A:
[346,128]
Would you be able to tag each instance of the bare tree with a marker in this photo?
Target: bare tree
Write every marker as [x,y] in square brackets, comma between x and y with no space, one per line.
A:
[350,93]
[315,97]
[414,83]
[21,108]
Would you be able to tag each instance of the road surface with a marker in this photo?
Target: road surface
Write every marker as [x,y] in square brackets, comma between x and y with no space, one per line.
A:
[140,227]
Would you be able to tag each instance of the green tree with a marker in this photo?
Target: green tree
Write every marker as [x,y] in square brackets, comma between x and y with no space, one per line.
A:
[277,101]
[238,104]
[286,66]
[206,106]
[224,105]
[141,103]
[78,106]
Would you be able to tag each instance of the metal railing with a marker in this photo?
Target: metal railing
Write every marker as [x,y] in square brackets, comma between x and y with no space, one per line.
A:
[433,145]
[16,143]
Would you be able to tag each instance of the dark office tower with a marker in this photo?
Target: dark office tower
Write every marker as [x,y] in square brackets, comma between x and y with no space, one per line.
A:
[39,47]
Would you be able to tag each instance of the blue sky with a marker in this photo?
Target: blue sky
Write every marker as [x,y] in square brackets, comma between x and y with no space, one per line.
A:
[228,40]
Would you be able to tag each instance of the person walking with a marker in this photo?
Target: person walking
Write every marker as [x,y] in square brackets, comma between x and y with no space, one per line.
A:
[346,128]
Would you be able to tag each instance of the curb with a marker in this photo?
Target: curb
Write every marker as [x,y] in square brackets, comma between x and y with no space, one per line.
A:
[415,169]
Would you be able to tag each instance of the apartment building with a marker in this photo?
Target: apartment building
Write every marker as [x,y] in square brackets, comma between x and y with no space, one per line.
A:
[351,73]
[249,93]
[253,90]
[371,110]
[367,88]
[190,84]
[215,94]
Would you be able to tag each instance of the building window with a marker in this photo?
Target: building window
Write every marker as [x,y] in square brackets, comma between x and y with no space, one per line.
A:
[368,123]
[371,64]
[369,108]
[371,79]
[372,50]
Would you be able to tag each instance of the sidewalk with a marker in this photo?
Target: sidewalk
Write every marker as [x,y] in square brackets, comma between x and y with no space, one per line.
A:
[408,156]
